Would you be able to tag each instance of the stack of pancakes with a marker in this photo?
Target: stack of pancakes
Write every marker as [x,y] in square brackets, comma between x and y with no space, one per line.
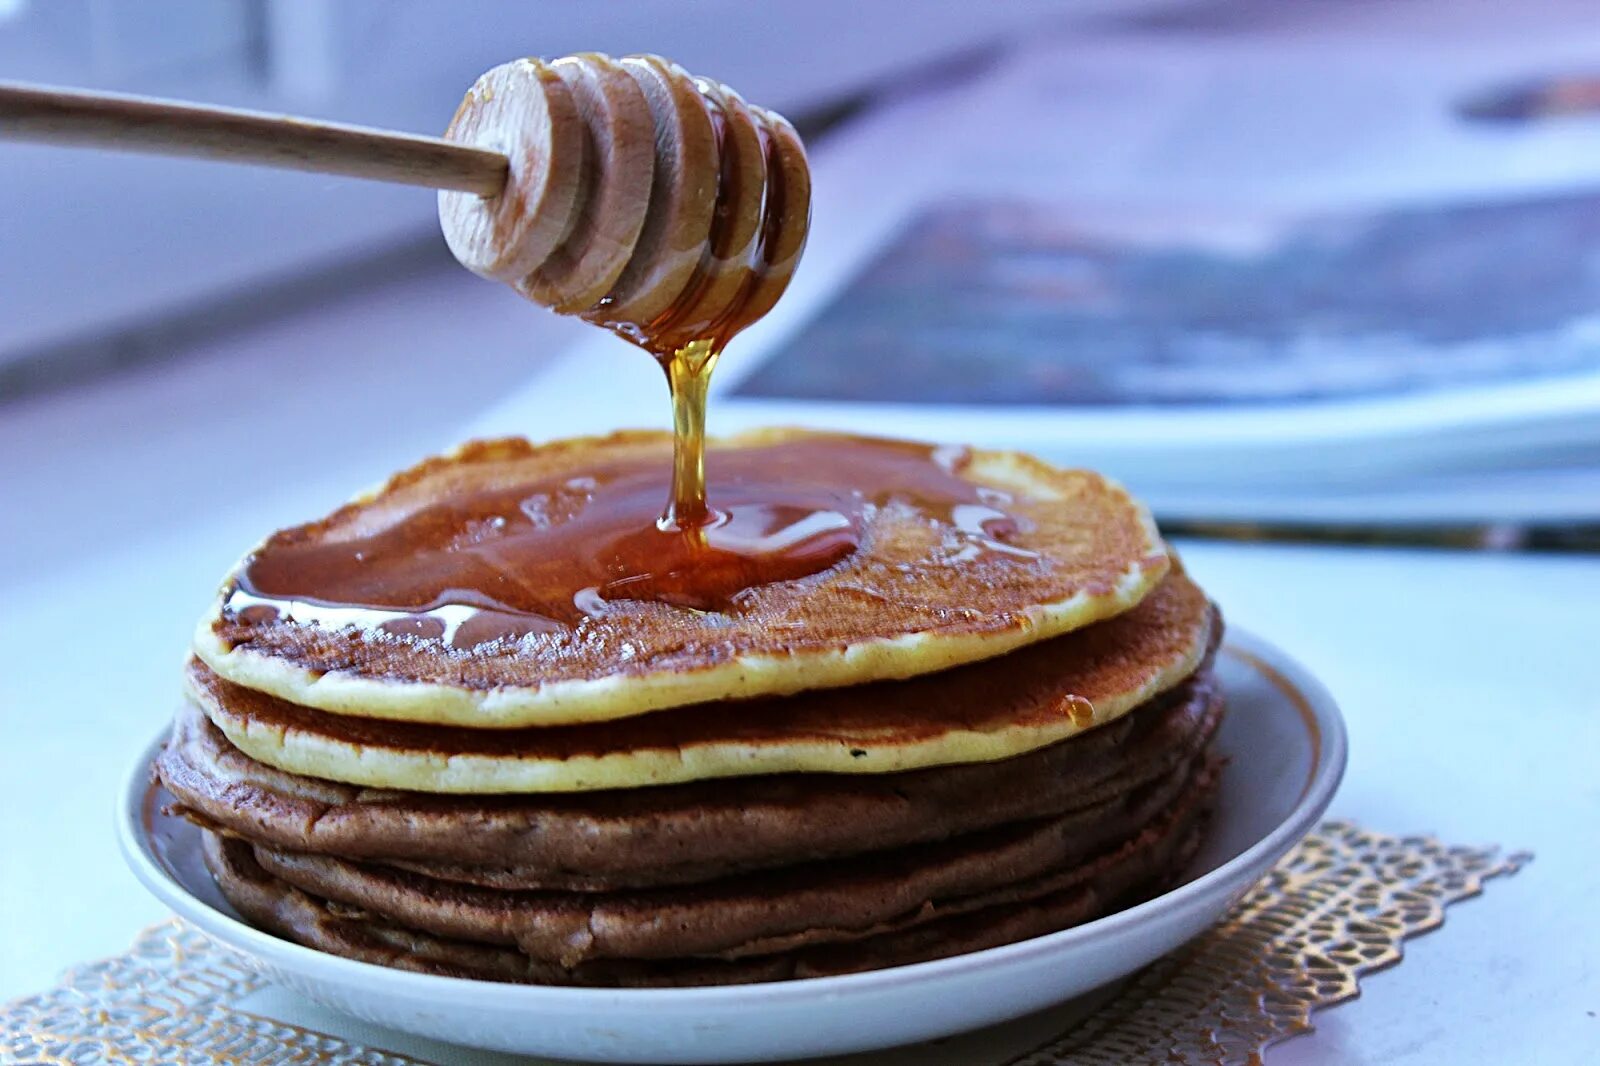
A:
[915,753]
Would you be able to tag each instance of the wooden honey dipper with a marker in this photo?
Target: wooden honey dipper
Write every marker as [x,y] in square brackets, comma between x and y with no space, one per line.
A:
[652,203]
[655,204]
[645,200]
[620,190]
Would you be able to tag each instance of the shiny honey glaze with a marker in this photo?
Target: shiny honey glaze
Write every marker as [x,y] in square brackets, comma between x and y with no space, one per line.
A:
[543,556]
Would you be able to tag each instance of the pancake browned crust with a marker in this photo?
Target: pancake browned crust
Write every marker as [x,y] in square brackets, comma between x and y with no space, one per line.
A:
[1140,867]
[677,833]
[755,914]
[977,713]
[889,610]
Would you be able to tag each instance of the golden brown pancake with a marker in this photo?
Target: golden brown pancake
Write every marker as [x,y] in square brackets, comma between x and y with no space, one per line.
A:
[678,833]
[981,712]
[928,588]
[1142,865]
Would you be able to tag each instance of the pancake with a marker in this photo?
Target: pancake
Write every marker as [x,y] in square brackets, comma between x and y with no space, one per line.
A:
[1140,867]
[625,839]
[981,712]
[928,588]
[753,914]
[679,833]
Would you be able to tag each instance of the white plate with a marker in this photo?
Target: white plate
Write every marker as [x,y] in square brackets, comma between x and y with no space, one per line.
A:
[1286,743]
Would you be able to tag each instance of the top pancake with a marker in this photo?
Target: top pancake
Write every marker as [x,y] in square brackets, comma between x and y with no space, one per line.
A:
[921,594]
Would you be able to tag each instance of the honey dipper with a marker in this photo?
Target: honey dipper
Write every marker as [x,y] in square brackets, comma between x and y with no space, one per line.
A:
[645,200]
[653,203]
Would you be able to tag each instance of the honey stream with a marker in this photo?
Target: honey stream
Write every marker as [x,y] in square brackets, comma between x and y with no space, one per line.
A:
[689,378]
[504,562]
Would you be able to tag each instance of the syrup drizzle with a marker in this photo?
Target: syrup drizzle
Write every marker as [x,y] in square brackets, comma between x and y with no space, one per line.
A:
[719,302]
[535,560]
[538,558]
[689,379]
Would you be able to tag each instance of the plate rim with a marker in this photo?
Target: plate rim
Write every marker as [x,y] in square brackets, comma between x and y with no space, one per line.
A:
[1319,713]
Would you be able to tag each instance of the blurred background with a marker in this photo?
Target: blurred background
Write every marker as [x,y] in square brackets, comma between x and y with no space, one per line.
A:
[1314,270]
[1323,269]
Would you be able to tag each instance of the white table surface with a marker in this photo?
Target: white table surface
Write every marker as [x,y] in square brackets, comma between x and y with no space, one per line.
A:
[1470,681]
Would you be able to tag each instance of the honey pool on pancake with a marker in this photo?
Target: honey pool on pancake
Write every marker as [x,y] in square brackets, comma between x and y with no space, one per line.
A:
[542,556]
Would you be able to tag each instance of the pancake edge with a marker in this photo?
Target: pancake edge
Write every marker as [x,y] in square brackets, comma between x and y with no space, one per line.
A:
[319,756]
[574,702]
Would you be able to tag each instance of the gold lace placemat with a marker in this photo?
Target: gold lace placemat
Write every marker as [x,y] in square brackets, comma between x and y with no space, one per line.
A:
[1338,906]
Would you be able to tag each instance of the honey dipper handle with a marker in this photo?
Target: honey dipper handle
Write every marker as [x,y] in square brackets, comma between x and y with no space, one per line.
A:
[163,127]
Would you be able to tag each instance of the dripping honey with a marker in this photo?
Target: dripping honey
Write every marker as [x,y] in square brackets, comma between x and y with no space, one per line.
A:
[687,339]
[689,380]
[541,557]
